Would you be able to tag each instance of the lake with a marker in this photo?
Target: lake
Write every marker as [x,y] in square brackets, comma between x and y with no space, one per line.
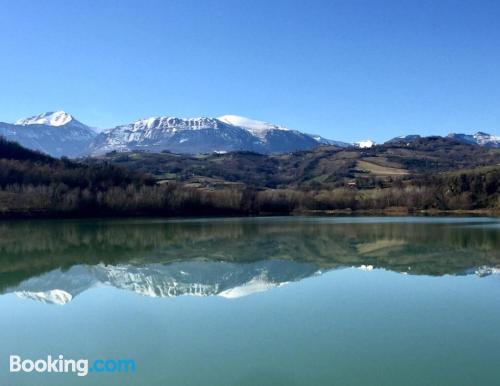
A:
[254,301]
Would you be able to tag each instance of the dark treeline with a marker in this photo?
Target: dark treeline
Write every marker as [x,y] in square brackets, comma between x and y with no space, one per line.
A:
[467,191]
[32,184]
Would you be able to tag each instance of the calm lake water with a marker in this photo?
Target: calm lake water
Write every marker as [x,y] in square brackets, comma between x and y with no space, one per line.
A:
[275,301]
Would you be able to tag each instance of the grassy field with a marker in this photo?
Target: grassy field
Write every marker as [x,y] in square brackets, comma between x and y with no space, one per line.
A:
[379,170]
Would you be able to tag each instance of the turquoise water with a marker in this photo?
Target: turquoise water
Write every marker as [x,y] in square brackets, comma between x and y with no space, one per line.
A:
[265,301]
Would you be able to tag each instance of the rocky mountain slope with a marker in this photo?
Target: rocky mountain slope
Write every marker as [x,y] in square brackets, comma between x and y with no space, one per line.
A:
[205,135]
[54,133]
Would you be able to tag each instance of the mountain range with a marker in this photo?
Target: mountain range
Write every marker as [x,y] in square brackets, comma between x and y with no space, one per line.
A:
[60,134]
[196,278]
[480,138]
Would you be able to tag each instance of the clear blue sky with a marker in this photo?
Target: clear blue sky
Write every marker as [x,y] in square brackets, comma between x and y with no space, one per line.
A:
[345,69]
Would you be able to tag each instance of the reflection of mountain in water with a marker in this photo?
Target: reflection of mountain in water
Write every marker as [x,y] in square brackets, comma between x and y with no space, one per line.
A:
[90,252]
[198,278]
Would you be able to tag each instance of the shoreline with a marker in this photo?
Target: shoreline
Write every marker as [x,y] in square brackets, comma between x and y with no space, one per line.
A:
[388,212]
[400,212]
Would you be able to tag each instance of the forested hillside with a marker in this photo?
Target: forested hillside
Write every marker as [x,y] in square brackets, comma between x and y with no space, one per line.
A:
[427,174]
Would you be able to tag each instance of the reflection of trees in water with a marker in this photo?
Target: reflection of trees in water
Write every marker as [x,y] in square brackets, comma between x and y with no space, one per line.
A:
[425,247]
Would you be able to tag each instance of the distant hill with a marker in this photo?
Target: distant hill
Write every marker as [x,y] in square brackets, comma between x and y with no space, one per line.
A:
[35,184]
[13,151]
[322,167]
[479,138]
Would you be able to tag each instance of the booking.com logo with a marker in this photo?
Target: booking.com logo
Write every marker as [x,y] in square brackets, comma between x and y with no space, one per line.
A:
[80,367]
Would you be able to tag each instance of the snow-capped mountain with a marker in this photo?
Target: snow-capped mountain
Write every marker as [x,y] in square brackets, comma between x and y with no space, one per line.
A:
[60,134]
[204,135]
[479,138]
[196,277]
[261,129]
[57,118]
[54,133]
[258,128]
[365,144]
[403,139]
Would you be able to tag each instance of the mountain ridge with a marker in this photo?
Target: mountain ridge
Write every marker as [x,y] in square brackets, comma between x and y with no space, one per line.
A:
[205,135]
[60,134]
[479,138]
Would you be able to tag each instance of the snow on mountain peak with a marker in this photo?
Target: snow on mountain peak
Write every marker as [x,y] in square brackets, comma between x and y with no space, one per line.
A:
[166,122]
[255,285]
[365,144]
[480,138]
[55,296]
[256,127]
[483,138]
[56,118]
[251,125]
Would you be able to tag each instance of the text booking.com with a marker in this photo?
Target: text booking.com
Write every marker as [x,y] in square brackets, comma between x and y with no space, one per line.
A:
[79,367]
